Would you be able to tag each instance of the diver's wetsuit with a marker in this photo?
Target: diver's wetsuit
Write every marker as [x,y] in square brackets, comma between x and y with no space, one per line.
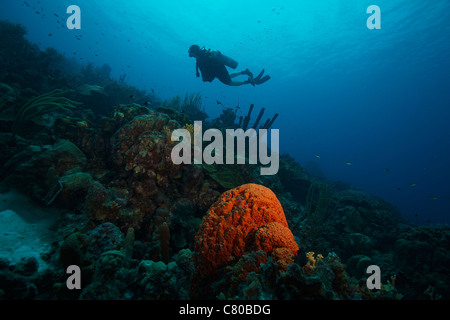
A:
[211,68]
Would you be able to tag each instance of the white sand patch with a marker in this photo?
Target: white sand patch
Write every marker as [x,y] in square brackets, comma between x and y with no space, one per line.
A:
[24,228]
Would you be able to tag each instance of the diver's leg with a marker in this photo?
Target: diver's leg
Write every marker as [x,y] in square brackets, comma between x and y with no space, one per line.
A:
[225,78]
[246,72]
[232,83]
[237,83]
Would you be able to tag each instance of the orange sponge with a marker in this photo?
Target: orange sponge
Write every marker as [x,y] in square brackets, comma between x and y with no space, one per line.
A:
[245,219]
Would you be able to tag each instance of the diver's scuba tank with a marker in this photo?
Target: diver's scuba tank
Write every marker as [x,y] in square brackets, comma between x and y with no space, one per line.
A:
[226,60]
[220,57]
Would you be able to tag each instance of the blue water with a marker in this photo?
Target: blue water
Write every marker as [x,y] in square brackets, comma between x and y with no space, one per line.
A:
[378,99]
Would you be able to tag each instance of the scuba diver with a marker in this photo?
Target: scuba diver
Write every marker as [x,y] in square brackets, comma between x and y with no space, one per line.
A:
[212,64]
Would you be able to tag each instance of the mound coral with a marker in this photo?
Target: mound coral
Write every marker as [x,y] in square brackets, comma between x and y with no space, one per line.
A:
[243,220]
[139,146]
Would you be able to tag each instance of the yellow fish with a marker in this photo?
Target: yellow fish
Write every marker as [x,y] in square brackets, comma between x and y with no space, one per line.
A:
[412,185]
[348,163]
[317,156]
[433,198]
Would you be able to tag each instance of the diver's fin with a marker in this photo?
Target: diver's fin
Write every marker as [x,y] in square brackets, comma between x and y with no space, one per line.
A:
[247,72]
[262,80]
[259,75]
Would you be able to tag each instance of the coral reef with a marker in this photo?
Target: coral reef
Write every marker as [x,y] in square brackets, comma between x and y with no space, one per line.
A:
[116,177]
[141,227]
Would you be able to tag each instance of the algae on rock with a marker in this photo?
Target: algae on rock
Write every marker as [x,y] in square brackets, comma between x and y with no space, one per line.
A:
[228,176]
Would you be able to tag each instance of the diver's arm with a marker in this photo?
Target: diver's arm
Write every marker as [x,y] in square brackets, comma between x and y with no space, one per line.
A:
[196,70]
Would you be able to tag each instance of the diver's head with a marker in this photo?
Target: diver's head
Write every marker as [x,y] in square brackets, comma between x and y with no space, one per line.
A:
[194,51]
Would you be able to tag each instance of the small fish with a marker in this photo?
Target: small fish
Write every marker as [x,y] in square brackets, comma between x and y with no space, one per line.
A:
[153,91]
[82,124]
[50,34]
[434,198]
[317,156]
[146,103]
[386,169]
[119,115]
[412,185]
[218,102]
[398,189]
[56,15]
[26,3]
[348,163]
[131,97]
